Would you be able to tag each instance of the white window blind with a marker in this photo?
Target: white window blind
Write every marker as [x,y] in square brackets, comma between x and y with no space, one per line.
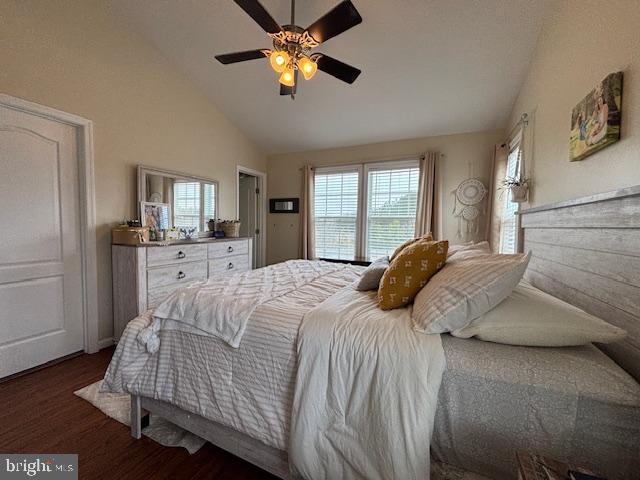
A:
[336,214]
[364,211]
[194,203]
[209,203]
[508,224]
[186,204]
[391,209]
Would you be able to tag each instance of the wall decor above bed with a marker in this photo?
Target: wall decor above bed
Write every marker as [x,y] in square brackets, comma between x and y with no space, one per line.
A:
[469,205]
[596,120]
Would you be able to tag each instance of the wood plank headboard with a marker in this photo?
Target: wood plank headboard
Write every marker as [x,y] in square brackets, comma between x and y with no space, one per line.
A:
[587,252]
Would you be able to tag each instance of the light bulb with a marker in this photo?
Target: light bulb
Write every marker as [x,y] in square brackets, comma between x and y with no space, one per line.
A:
[279,60]
[308,67]
[288,78]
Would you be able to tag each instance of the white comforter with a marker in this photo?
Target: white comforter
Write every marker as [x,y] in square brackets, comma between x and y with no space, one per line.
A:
[349,390]
[365,394]
[222,307]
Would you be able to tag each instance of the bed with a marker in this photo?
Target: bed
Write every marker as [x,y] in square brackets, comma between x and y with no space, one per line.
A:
[493,399]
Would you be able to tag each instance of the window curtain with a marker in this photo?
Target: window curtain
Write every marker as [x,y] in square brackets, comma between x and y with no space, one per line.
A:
[428,211]
[496,205]
[307,221]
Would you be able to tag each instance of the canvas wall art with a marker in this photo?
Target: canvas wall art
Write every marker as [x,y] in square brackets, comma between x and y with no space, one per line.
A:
[595,121]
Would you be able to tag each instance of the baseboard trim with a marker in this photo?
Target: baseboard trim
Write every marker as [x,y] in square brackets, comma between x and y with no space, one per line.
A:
[105,342]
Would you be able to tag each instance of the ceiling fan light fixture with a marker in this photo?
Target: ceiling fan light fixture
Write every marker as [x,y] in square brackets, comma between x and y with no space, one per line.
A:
[279,60]
[288,77]
[308,67]
[293,45]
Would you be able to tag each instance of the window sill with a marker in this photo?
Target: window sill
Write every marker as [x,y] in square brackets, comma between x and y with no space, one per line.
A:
[363,263]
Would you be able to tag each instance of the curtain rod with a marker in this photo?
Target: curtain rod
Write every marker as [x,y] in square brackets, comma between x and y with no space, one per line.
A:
[380,160]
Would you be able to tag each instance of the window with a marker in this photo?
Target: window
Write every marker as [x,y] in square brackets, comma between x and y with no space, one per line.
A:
[189,200]
[508,223]
[392,195]
[364,212]
[336,213]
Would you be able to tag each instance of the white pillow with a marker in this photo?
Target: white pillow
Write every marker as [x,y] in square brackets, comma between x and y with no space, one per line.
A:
[476,248]
[533,318]
[465,289]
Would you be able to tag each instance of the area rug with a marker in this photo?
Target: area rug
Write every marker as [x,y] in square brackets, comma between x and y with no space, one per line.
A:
[118,407]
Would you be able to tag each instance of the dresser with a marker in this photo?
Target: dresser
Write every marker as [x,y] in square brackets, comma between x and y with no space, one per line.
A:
[143,275]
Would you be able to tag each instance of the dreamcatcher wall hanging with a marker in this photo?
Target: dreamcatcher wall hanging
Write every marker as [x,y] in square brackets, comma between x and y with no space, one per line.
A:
[468,206]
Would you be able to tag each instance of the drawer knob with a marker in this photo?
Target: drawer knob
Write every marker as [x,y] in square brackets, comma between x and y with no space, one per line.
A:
[230,266]
[181,275]
[181,254]
[230,249]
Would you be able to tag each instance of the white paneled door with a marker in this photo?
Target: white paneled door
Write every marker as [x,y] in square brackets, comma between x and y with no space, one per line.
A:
[41,298]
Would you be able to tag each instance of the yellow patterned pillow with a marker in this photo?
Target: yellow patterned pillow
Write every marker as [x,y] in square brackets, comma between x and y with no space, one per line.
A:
[426,236]
[409,271]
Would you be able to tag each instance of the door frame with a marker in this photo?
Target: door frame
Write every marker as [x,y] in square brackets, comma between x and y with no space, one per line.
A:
[262,215]
[87,204]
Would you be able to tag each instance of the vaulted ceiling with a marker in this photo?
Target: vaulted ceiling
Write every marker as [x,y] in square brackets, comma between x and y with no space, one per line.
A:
[430,67]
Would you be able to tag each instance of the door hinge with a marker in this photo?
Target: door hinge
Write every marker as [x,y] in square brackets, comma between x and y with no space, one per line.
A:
[257,191]
[257,231]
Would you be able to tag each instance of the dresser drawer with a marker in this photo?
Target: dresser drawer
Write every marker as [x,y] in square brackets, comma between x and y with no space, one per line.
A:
[229,265]
[180,274]
[157,256]
[227,249]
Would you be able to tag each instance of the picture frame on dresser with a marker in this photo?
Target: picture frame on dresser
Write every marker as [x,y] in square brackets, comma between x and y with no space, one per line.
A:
[156,215]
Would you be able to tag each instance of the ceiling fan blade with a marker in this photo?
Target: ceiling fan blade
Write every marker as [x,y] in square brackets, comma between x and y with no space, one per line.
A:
[284,90]
[235,57]
[338,69]
[255,10]
[340,19]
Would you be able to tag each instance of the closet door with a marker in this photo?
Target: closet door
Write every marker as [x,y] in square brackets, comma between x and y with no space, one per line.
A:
[41,307]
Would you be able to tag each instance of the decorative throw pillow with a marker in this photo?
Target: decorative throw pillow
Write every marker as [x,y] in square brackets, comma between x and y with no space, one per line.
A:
[426,236]
[370,279]
[531,317]
[466,289]
[409,271]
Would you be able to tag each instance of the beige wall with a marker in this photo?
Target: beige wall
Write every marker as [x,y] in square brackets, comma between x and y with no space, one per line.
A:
[465,155]
[581,44]
[74,55]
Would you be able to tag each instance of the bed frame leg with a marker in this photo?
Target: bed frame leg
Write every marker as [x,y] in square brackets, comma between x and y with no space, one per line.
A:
[136,417]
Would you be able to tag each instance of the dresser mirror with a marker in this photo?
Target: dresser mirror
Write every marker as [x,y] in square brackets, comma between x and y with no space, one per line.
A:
[192,200]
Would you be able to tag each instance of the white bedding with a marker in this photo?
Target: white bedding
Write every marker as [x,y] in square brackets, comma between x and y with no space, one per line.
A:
[494,398]
[221,307]
[360,371]
[249,388]
[252,388]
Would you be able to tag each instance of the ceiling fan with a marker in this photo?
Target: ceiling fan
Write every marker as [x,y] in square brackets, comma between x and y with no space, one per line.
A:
[292,45]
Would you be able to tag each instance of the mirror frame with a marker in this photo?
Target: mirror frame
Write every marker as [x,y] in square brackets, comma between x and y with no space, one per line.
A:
[144,170]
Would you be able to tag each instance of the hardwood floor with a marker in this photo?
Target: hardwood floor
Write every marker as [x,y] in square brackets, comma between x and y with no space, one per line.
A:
[40,414]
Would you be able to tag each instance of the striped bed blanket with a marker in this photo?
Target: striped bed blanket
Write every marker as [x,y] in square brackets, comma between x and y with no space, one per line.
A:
[321,372]
[249,388]
[222,307]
